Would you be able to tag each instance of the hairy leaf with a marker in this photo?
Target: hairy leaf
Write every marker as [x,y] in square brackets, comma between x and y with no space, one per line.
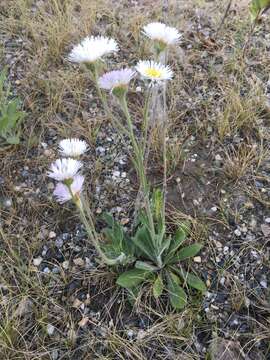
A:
[143,265]
[108,218]
[158,287]
[257,7]
[185,253]
[132,278]
[10,114]
[177,240]
[143,240]
[177,295]
[191,279]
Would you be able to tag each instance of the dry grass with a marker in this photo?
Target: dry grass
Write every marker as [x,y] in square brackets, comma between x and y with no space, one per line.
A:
[242,113]
[243,159]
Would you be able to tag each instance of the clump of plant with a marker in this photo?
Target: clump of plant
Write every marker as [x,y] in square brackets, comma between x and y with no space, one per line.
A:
[11,115]
[256,9]
[150,253]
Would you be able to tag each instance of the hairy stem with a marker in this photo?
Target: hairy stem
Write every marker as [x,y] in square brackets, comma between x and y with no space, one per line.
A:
[140,168]
[146,119]
[90,228]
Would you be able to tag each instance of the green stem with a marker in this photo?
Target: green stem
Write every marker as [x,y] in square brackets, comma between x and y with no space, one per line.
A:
[146,118]
[90,228]
[164,135]
[140,168]
[105,103]
[122,130]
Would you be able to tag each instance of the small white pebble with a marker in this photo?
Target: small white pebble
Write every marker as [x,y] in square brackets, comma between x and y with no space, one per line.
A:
[254,254]
[237,232]
[116,173]
[52,234]
[267,220]
[226,249]
[7,203]
[263,284]
[54,354]
[44,145]
[214,208]
[130,334]
[46,270]
[37,261]
[222,281]
[247,302]
[197,259]
[65,264]
[50,329]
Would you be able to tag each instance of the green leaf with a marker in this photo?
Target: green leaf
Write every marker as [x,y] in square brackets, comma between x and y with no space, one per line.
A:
[185,253]
[143,241]
[164,246]
[132,278]
[10,114]
[177,295]
[157,203]
[4,123]
[176,242]
[143,265]
[256,7]
[195,282]
[13,139]
[158,287]
[191,279]
[108,218]
[115,233]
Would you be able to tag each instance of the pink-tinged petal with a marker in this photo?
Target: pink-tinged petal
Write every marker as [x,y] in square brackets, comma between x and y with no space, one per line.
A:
[64,194]
[116,78]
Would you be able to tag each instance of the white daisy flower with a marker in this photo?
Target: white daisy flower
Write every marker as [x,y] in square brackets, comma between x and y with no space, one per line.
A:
[72,147]
[65,193]
[162,33]
[116,78]
[154,71]
[64,169]
[92,49]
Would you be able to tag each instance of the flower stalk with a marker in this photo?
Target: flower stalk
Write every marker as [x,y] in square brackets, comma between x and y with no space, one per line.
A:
[140,165]
[90,229]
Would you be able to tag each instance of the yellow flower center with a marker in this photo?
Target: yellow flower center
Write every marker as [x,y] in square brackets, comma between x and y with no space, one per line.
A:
[153,73]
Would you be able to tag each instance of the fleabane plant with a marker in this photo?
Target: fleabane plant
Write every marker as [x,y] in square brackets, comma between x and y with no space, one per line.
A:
[72,147]
[91,53]
[150,251]
[64,169]
[163,36]
[69,190]
[69,187]
[116,81]
[153,71]
[91,49]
